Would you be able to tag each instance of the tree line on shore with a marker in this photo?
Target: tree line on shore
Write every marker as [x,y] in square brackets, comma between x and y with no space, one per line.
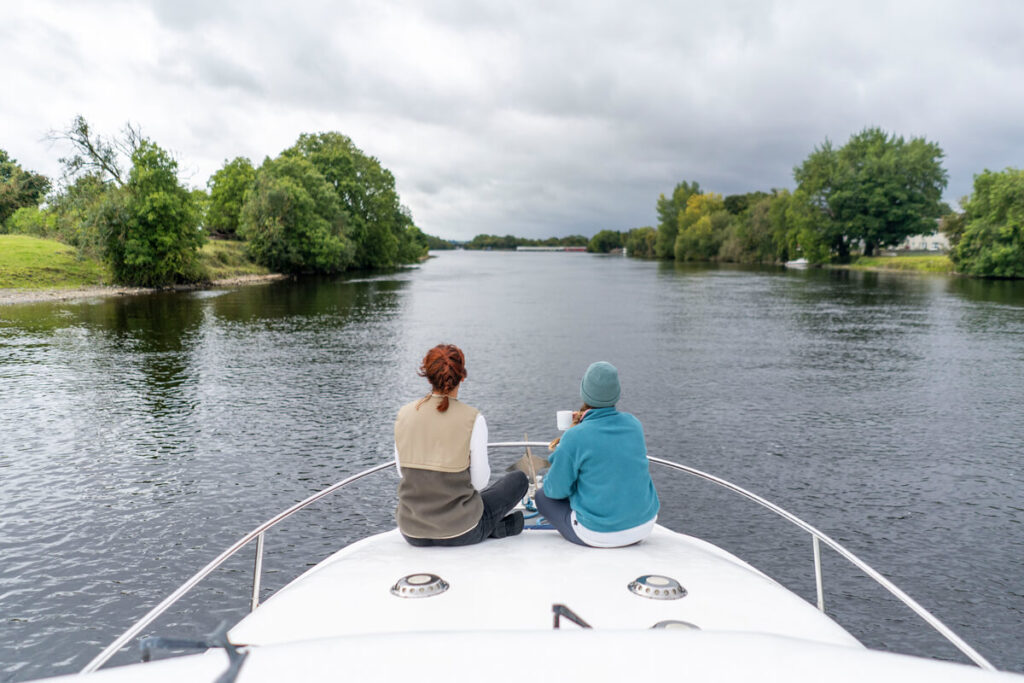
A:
[322,205]
[485,241]
[870,194]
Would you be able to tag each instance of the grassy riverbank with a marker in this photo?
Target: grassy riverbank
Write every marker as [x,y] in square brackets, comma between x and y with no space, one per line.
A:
[33,263]
[920,263]
[34,270]
[222,259]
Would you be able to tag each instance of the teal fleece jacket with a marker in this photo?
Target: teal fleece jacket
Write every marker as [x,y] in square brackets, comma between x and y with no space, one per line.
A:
[601,466]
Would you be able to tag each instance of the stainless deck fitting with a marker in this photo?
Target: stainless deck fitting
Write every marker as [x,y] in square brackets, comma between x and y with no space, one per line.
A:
[676,625]
[419,586]
[657,587]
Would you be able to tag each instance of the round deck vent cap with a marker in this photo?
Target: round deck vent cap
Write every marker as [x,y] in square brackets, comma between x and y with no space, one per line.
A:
[657,587]
[676,625]
[419,586]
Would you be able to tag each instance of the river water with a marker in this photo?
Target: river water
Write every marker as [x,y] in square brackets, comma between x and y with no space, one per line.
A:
[140,436]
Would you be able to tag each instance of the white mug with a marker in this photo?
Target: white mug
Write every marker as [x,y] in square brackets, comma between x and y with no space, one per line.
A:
[563,418]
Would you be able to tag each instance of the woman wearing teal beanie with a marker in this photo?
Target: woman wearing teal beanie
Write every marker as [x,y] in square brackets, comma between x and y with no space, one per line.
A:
[598,491]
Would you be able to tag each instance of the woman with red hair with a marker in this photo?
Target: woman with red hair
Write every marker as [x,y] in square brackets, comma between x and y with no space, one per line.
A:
[441,452]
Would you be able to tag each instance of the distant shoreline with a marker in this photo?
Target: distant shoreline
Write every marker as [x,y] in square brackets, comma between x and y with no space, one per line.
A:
[31,296]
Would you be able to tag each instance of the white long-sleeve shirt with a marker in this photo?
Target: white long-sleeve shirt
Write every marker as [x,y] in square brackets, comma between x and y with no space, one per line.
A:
[479,466]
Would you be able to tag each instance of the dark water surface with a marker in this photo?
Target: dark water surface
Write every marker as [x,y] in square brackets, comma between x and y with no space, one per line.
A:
[140,436]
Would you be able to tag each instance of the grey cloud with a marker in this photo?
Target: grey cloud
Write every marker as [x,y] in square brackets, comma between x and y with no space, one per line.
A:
[220,72]
[188,15]
[199,65]
[540,118]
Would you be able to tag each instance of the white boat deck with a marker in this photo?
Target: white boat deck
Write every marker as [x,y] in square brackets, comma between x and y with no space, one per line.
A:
[569,656]
[511,585]
[339,621]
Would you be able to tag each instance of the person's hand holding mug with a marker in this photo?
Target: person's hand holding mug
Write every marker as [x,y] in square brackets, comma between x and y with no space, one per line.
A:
[564,420]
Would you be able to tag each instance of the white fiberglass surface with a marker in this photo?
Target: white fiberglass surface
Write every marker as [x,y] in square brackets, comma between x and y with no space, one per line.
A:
[569,655]
[511,584]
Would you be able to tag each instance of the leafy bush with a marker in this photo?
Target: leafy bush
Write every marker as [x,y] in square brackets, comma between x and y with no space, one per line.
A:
[670,212]
[702,228]
[749,238]
[227,195]
[641,242]
[31,220]
[19,188]
[377,225]
[77,209]
[293,219]
[992,241]
[150,227]
[604,241]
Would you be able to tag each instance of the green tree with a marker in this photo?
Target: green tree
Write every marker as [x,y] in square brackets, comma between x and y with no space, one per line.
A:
[31,220]
[741,204]
[778,219]
[992,240]
[604,241]
[293,220]
[750,236]
[641,242]
[91,153]
[435,243]
[670,211]
[804,237]
[227,194]
[953,224]
[420,240]
[412,243]
[485,241]
[378,226]
[877,189]
[150,227]
[77,209]
[94,178]
[702,228]
[812,218]
[18,187]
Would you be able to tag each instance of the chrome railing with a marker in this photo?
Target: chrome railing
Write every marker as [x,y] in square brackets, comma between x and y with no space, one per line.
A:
[817,538]
[257,533]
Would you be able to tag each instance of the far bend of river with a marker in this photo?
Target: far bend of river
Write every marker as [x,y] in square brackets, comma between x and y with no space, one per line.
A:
[140,436]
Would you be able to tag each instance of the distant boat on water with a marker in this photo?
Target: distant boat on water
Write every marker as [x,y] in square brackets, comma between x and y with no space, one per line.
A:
[798,264]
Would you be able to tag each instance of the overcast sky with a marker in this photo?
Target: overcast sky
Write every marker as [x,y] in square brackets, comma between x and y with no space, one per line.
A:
[534,118]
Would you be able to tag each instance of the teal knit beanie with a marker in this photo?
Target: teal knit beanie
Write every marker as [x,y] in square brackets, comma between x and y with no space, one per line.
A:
[600,385]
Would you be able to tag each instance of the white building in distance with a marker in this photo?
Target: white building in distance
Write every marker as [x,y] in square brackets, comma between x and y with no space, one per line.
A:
[933,242]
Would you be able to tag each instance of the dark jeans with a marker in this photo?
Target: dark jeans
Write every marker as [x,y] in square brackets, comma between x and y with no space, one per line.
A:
[499,498]
[558,513]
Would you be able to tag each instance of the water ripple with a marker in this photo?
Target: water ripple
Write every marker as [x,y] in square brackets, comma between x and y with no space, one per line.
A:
[141,436]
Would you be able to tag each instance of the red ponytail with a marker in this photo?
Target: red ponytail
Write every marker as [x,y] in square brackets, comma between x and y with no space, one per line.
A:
[444,366]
